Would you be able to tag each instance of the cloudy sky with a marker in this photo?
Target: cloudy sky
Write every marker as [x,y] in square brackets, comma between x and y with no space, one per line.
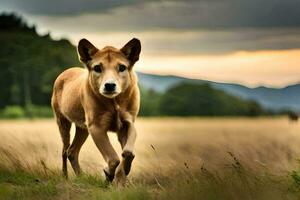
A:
[253,42]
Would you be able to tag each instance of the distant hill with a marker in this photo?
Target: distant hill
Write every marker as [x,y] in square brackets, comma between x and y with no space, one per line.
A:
[270,98]
[188,99]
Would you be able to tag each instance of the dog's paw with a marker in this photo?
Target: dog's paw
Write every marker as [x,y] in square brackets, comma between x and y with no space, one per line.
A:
[128,158]
[109,177]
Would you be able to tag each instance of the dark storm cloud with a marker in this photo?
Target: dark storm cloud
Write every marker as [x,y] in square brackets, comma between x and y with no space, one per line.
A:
[193,26]
[188,14]
[64,7]
[220,42]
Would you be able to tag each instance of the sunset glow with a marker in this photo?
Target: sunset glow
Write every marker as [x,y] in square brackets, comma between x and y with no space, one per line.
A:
[271,68]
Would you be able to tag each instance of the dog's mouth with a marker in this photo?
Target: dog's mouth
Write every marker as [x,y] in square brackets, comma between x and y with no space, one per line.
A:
[110,94]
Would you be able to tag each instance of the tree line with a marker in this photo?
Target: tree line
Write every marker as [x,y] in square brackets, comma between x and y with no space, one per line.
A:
[186,99]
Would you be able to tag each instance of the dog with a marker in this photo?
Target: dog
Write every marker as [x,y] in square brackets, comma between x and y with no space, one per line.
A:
[100,98]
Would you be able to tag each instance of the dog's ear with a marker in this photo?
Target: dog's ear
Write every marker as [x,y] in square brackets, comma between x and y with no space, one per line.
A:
[86,50]
[132,51]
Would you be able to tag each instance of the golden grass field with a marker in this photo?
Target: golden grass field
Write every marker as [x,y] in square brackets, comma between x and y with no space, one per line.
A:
[272,142]
[164,147]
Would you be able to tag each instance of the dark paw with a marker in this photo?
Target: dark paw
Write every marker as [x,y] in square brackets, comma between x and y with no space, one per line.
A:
[127,154]
[128,157]
[109,177]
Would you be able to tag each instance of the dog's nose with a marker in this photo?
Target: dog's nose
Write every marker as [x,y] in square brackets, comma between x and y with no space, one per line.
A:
[110,87]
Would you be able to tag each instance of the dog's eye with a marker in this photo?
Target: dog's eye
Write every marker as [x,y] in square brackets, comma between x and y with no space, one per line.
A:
[97,68]
[122,68]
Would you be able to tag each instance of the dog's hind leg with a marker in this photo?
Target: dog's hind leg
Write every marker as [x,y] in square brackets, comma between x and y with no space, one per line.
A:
[64,128]
[73,151]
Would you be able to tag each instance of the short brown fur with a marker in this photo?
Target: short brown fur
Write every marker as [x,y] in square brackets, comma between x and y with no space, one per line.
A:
[80,96]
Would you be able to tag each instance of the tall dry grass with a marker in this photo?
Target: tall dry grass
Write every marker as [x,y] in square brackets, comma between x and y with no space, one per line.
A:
[216,158]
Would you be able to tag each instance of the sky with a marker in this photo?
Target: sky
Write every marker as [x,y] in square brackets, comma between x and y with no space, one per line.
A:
[252,42]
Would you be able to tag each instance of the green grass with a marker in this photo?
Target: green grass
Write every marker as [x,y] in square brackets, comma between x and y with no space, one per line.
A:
[26,185]
[234,181]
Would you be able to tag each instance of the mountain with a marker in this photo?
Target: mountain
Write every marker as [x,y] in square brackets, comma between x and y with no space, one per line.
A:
[270,98]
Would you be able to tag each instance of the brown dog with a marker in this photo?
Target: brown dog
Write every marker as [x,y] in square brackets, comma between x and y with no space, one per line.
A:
[103,97]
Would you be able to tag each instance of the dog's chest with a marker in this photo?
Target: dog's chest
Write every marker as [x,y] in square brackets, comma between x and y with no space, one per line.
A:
[116,121]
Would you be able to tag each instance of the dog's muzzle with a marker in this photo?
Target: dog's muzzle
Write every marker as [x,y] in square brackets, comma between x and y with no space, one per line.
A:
[110,87]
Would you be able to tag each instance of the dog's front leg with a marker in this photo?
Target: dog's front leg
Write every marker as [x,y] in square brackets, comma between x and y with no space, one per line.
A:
[127,138]
[100,137]
[131,137]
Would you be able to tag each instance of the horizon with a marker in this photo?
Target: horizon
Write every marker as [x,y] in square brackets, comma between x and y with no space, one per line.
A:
[232,83]
[243,49]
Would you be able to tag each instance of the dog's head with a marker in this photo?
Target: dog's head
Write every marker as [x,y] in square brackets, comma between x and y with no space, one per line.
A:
[109,68]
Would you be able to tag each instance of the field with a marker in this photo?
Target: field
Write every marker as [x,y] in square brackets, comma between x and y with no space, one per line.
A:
[176,158]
